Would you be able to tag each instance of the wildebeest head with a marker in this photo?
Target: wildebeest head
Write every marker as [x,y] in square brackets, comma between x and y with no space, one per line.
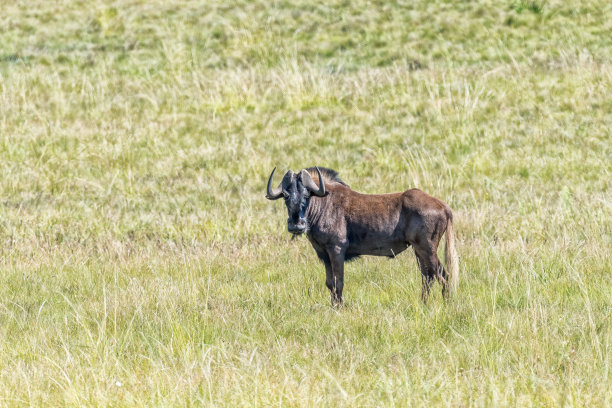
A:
[296,189]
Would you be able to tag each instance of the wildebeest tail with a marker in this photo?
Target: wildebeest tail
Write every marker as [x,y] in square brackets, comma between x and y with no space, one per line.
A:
[450,256]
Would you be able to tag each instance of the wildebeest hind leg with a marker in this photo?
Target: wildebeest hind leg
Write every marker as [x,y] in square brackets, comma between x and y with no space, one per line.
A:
[430,268]
[442,277]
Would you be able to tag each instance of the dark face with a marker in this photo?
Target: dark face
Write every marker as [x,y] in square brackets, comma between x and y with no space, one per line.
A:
[297,198]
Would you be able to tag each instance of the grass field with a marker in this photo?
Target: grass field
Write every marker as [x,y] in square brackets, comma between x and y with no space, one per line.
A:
[141,265]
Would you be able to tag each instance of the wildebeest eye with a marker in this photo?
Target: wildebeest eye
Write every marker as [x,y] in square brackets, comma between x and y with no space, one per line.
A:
[285,195]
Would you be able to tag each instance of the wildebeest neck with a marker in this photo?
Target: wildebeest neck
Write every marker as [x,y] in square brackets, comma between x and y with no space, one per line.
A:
[323,206]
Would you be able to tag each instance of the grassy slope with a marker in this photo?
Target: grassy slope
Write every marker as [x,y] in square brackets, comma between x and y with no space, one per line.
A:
[141,264]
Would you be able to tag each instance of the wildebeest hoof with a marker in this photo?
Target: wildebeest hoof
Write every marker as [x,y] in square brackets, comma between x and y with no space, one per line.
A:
[337,303]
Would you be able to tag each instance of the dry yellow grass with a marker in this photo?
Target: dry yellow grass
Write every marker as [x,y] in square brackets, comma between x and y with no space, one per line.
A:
[142,266]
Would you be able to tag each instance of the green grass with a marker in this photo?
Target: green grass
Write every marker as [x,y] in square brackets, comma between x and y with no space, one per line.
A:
[141,264]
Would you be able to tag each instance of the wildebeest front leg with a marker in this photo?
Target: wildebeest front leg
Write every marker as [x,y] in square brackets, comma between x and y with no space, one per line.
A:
[335,275]
[329,282]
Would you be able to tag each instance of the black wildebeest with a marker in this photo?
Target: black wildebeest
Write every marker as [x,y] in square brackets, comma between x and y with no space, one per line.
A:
[342,224]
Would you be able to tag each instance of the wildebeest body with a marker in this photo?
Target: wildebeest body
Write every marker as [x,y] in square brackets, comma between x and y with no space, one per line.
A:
[342,224]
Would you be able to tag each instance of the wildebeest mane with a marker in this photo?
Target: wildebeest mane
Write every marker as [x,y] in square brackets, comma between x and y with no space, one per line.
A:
[328,174]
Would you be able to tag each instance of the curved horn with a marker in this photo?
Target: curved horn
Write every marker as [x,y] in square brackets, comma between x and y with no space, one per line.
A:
[273,194]
[311,186]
